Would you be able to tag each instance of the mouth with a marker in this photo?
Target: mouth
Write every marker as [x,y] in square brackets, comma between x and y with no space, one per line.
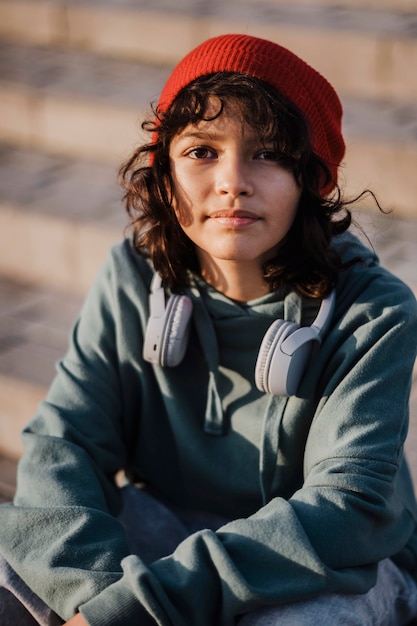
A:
[234,218]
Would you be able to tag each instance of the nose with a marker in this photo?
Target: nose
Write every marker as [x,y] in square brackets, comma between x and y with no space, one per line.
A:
[233,177]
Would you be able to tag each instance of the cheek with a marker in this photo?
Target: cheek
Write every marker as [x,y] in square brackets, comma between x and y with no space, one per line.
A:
[182,195]
[179,206]
[182,209]
[293,197]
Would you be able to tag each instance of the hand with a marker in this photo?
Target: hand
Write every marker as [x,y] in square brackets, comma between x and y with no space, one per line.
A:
[77,620]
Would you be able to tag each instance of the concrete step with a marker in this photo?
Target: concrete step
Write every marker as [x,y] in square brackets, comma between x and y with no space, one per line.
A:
[58,217]
[381,152]
[83,106]
[34,330]
[404,6]
[379,45]
[74,103]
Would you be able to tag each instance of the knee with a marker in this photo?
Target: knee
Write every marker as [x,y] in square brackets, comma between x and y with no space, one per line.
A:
[12,611]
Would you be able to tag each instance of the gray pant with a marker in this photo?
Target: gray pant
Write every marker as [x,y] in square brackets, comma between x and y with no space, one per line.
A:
[392,602]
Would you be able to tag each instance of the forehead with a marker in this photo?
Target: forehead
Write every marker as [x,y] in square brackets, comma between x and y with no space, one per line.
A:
[224,129]
[221,118]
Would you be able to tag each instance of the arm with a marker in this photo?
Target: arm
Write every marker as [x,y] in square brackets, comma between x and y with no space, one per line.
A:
[61,535]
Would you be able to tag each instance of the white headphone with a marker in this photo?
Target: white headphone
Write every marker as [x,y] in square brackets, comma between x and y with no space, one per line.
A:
[168,327]
[283,356]
[286,350]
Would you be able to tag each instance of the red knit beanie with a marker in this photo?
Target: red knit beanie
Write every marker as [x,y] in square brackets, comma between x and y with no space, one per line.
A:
[280,68]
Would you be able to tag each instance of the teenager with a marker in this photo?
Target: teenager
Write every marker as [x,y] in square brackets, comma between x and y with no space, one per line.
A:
[246,363]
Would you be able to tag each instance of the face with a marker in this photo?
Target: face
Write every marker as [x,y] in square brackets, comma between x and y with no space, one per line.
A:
[232,197]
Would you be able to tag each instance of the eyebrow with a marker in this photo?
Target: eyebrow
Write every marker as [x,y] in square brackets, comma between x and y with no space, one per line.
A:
[198,134]
[208,135]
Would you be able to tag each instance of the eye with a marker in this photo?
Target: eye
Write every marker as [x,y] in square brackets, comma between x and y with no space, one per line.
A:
[269,155]
[285,161]
[201,152]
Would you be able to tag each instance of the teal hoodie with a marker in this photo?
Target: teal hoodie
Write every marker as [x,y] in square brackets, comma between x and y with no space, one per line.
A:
[316,485]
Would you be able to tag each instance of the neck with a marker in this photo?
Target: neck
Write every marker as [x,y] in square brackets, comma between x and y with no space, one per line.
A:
[237,281]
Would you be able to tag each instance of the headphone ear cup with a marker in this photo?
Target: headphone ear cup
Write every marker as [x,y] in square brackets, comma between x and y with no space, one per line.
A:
[167,332]
[176,330]
[283,357]
[269,346]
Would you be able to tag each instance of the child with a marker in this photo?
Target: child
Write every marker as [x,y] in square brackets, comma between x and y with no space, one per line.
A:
[258,405]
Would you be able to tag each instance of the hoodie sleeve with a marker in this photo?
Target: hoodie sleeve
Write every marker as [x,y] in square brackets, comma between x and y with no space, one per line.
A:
[355,507]
[61,534]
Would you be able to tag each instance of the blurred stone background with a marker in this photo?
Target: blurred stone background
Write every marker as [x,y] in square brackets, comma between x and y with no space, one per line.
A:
[76,79]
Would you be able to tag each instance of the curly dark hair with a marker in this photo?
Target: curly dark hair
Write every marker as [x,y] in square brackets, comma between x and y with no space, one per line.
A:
[305,259]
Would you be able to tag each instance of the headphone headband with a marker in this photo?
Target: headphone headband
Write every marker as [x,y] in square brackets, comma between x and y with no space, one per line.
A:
[324,316]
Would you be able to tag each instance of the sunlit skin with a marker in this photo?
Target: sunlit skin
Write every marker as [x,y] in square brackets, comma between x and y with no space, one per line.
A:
[233,199]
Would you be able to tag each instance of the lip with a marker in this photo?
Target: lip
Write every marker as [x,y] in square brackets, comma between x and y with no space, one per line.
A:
[234,218]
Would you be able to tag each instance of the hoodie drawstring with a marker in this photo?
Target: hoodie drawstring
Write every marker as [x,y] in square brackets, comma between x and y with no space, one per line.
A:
[214,420]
